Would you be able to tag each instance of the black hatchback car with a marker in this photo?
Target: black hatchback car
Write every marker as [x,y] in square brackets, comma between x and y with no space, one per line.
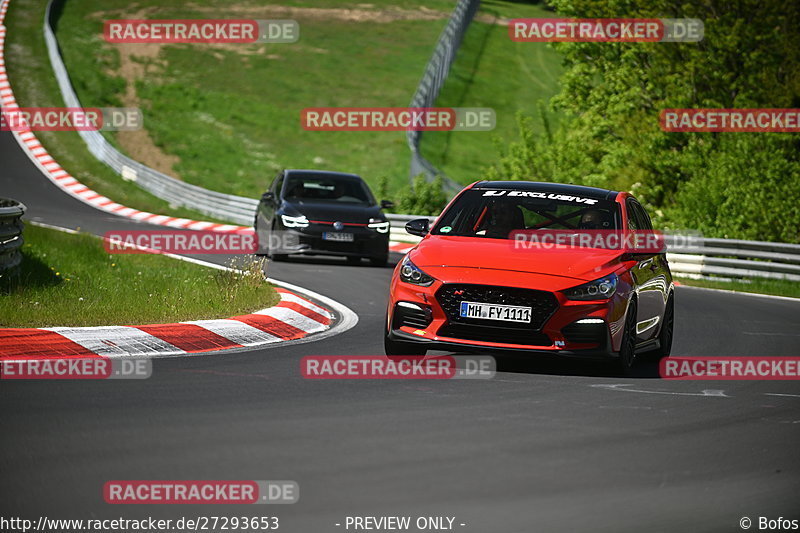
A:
[314,212]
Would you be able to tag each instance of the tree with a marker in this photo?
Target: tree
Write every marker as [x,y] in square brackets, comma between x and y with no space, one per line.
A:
[613,94]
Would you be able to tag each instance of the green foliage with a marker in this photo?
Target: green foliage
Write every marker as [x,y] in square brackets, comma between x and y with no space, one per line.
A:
[746,186]
[423,198]
[382,190]
[742,185]
[231,114]
[491,70]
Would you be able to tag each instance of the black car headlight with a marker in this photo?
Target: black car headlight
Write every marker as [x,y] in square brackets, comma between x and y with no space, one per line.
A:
[381,226]
[294,221]
[599,289]
[411,273]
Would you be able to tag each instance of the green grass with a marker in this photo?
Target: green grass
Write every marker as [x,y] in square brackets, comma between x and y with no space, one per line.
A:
[35,86]
[70,280]
[760,286]
[233,118]
[493,71]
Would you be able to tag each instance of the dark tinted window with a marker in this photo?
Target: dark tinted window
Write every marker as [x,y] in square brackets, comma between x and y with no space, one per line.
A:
[633,221]
[644,218]
[637,217]
[320,188]
[496,213]
[276,184]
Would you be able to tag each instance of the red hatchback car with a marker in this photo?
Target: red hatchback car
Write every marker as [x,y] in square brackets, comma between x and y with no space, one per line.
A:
[475,281]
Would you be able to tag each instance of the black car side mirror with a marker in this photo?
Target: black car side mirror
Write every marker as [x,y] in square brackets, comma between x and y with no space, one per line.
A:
[419,227]
[387,204]
[268,196]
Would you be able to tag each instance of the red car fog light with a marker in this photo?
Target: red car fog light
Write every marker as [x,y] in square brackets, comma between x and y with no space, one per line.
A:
[586,331]
[411,315]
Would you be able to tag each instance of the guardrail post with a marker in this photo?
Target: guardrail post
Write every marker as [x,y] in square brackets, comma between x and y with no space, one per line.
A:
[433,79]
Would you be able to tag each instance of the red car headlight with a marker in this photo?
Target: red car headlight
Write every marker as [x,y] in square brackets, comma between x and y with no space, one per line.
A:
[411,273]
[599,289]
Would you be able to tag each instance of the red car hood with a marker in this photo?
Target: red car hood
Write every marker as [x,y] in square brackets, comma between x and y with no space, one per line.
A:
[585,264]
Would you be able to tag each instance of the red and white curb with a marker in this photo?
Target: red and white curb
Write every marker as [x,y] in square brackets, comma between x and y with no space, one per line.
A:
[50,168]
[294,317]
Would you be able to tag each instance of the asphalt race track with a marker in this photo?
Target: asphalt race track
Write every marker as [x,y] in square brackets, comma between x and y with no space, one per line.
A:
[547,445]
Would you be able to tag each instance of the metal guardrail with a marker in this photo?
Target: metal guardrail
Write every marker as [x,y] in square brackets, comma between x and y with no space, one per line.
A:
[697,256]
[719,257]
[397,227]
[738,259]
[432,81]
[11,227]
[237,209]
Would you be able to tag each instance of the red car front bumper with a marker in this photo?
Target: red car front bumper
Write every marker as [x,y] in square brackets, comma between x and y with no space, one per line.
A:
[589,328]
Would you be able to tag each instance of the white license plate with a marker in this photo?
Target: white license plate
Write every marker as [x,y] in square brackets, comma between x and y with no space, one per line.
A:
[339,237]
[505,313]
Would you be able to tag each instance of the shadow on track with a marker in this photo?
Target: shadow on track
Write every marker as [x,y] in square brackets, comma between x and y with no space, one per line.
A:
[394,258]
[646,366]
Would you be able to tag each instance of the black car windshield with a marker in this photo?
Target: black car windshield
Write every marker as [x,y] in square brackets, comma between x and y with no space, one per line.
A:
[499,213]
[319,188]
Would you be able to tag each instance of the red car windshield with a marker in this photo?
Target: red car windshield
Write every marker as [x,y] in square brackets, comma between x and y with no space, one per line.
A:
[497,214]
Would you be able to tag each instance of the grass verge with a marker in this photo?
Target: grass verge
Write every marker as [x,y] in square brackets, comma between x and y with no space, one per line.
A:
[229,116]
[35,86]
[70,280]
[759,286]
[491,70]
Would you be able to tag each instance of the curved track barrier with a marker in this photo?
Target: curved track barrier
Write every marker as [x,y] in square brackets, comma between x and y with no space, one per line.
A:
[11,227]
[237,209]
[432,82]
[715,257]
[738,259]
[705,257]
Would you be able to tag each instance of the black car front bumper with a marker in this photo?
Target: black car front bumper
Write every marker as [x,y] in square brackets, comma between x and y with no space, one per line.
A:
[366,242]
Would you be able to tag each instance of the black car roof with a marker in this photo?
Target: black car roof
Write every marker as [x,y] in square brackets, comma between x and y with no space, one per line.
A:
[322,173]
[562,188]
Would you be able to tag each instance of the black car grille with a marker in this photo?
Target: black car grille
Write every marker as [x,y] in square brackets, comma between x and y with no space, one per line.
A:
[359,244]
[542,304]
[494,334]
